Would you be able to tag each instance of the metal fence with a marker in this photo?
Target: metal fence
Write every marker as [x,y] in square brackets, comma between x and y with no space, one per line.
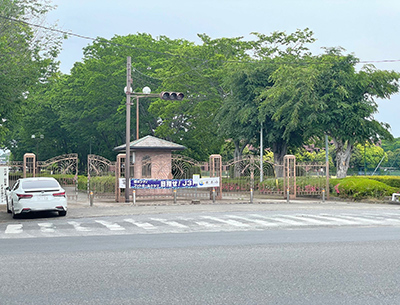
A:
[245,177]
[64,168]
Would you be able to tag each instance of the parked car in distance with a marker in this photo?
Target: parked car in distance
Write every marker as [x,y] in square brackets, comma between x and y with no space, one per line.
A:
[36,195]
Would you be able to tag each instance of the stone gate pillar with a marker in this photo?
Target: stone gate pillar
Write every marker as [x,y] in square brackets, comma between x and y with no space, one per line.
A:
[29,164]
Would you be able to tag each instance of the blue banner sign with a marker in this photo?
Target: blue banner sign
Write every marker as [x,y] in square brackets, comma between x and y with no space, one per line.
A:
[162,183]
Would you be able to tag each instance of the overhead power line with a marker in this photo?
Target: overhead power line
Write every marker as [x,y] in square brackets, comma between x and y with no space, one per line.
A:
[100,39]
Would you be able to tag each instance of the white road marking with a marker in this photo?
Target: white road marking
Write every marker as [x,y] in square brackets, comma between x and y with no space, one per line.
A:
[391,218]
[257,221]
[283,220]
[170,223]
[360,219]
[227,221]
[46,227]
[14,229]
[77,226]
[338,219]
[309,218]
[110,225]
[207,224]
[143,225]
[210,222]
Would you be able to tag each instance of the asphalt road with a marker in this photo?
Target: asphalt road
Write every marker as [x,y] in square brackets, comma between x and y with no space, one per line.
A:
[298,253]
[343,265]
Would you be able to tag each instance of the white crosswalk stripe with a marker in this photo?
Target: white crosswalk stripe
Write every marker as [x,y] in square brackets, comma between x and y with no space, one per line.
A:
[338,220]
[14,229]
[46,227]
[227,221]
[77,226]
[143,225]
[391,218]
[111,226]
[358,219]
[170,223]
[283,220]
[199,223]
[208,225]
[257,221]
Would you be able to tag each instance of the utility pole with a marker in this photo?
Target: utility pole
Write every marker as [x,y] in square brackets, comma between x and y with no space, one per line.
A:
[128,127]
[261,154]
[178,96]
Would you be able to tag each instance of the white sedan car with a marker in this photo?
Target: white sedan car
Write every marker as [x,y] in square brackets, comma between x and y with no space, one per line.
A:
[36,195]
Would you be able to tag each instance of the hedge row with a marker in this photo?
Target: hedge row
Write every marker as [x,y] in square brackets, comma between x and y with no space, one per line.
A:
[363,187]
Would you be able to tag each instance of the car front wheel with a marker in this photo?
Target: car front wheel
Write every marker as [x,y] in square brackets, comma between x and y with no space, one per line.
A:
[62,213]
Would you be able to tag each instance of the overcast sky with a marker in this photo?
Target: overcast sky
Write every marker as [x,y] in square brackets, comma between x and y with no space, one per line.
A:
[368,28]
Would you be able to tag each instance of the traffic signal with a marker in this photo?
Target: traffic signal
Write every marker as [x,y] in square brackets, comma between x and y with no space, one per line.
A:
[172,96]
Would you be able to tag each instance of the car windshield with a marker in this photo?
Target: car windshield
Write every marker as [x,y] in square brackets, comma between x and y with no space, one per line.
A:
[39,184]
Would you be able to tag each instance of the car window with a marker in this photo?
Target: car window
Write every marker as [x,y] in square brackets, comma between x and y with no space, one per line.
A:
[39,184]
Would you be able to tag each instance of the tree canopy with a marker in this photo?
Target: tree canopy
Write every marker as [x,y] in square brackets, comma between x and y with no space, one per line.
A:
[232,87]
[326,95]
[27,60]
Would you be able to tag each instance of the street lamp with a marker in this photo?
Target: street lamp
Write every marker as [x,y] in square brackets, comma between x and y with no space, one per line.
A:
[41,137]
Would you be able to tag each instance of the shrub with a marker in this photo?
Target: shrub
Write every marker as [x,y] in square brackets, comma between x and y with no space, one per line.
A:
[235,184]
[82,183]
[102,184]
[360,187]
[271,185]
[393,181]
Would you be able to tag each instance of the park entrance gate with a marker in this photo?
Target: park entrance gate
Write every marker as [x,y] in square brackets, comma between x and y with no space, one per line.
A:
[64,168]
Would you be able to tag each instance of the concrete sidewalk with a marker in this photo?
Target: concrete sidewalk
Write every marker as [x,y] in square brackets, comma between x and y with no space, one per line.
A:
[108,207]
[80,207]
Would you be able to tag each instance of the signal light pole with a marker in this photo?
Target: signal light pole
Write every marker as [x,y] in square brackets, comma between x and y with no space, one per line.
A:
[172,96]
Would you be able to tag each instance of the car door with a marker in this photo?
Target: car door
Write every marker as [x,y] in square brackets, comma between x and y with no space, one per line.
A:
[13,196]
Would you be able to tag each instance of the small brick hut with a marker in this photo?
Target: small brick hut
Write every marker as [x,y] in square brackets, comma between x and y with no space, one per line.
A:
[152,157]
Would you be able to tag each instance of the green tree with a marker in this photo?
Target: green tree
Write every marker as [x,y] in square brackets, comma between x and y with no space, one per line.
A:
[91,102]
[392,149]
[326,95]
[367,155]
[240,117]
[27,61]
[199,72]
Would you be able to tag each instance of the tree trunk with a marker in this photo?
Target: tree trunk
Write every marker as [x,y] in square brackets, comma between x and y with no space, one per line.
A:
[280,150]
[343,154]
[238,156]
